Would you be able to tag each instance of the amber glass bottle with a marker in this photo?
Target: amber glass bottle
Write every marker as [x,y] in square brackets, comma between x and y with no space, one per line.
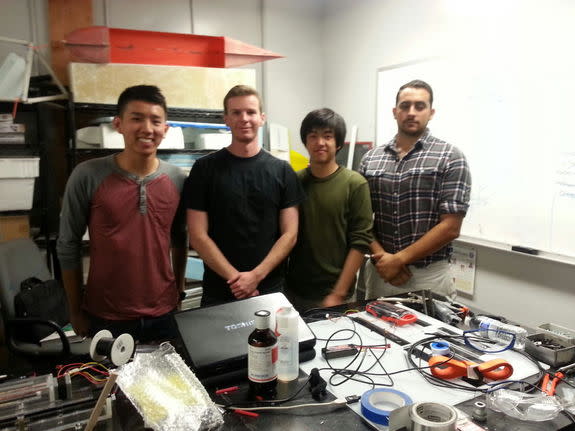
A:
[262,357]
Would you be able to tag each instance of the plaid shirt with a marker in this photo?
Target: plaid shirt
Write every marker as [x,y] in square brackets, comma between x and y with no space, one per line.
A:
[410,194]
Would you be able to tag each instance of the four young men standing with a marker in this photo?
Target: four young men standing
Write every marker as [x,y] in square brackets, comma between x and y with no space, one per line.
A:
[244,208]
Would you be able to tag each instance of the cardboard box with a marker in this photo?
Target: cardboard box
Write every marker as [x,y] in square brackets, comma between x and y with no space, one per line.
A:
[17,182]
[14,227]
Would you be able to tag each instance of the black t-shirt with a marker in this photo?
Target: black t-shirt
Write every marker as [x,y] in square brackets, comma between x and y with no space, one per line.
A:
[243,198]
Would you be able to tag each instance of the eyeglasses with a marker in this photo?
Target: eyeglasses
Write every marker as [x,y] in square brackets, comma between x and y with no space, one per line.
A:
[489,340]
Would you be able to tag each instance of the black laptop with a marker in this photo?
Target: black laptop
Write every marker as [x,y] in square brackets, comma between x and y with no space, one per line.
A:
[214,340]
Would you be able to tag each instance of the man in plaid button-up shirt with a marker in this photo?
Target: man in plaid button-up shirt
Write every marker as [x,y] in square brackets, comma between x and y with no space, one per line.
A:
[420,188]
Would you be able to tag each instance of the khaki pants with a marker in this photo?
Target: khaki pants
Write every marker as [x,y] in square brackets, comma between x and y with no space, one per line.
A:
[436,276]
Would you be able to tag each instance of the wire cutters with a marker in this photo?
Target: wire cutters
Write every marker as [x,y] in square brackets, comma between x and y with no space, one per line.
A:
[449,368]
[548,386]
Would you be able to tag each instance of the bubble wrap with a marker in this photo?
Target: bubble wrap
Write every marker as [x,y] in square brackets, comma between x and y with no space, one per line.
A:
[166,393]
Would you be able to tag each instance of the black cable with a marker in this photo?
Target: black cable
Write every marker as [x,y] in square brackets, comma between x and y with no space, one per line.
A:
[260,403]
[365,376]
[346,367]
[378,361]
[308,317]
[356,375]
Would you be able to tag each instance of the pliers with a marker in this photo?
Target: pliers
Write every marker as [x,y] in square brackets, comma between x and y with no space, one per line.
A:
[548,386]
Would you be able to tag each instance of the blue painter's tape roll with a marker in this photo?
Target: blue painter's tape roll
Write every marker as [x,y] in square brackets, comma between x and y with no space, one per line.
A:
[377,404]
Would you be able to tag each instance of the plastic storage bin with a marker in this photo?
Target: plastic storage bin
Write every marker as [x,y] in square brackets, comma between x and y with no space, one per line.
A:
[17,182]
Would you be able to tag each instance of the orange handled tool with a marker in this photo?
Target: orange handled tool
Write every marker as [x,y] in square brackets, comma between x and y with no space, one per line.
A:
[392,313]
[549,386]
[496,369]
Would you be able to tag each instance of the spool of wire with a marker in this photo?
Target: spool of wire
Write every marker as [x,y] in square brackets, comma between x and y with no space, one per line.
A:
[118,350]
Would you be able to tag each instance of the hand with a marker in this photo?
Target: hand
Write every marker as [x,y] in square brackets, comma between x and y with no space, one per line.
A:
[244,284]
[402,278]
[80,322]
[332,299]
[389,266]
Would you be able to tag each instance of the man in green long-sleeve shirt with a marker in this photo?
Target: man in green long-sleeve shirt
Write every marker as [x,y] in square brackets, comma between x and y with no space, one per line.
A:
[335,219]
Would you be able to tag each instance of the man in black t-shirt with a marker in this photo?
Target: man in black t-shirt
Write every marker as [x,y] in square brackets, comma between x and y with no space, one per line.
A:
[242,208]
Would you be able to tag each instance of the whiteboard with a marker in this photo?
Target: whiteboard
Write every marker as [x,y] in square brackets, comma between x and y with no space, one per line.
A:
[513,119]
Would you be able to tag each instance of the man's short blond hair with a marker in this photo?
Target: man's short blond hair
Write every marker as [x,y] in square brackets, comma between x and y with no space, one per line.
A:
[242,90]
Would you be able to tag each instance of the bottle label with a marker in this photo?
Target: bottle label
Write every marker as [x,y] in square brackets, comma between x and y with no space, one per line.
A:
[503,332]
[262,363]
[288,351]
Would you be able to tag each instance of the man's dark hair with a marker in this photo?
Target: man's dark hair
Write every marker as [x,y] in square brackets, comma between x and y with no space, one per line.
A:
[324,118]
[143,93]
[242,90]
[416,83]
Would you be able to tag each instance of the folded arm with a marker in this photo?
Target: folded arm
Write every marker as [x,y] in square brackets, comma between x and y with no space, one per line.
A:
[390,265]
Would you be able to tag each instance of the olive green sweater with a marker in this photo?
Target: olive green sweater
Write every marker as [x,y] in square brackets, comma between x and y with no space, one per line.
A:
[335,217]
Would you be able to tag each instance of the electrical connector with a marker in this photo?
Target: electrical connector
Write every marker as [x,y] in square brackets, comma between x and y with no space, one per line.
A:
[341,351]
[352,399]
[317,385]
